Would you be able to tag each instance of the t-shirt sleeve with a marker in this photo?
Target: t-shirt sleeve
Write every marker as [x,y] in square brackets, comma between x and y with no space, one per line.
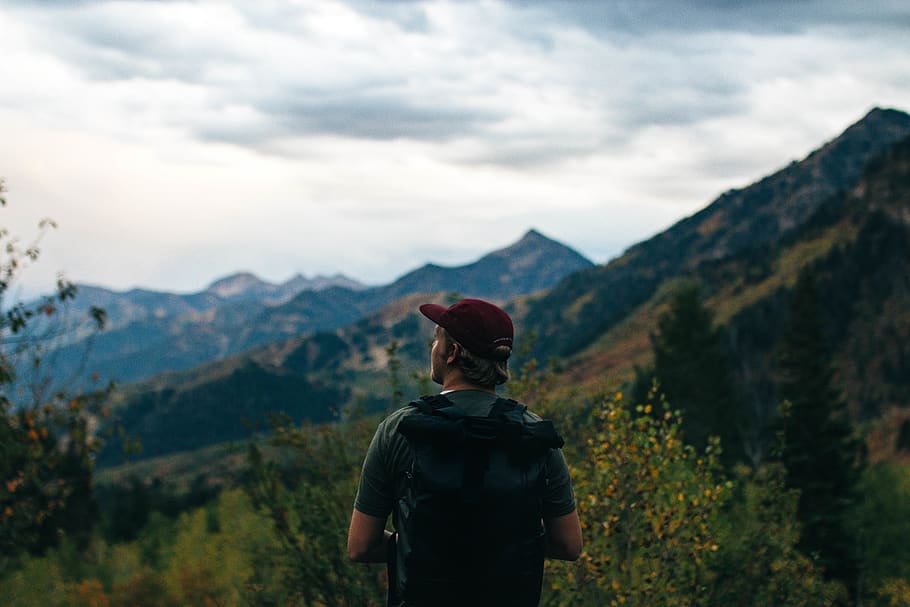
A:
[376,493]
[558,499]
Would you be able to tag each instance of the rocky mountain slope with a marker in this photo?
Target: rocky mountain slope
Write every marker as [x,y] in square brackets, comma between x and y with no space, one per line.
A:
[588,304]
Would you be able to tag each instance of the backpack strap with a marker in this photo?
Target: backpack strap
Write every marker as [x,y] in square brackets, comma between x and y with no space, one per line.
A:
[438,404]
[428,404]
[508,410]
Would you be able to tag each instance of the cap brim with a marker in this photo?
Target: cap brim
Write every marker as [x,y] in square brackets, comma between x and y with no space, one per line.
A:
[433,311]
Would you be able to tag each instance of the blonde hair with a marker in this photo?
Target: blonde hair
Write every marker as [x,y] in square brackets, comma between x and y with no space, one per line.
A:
[479,370]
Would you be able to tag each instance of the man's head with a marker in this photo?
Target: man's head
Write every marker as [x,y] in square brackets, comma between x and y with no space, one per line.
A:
[473,336]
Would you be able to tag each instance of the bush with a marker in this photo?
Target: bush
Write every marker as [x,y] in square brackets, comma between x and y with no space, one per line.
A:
[649,508]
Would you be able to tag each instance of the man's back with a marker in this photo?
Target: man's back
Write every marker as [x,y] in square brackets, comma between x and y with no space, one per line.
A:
[469,518]
[389,458]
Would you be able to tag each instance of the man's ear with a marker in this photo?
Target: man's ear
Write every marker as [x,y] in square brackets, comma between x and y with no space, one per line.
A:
[453,355]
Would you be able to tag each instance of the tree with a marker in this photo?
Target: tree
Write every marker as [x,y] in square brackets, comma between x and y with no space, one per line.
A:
[881,522]
[649,506]
[817,446]
[692,370]
[759,563]
[306,493]
[45,445]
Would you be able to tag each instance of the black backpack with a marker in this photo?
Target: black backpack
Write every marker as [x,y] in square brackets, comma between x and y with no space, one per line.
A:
[469,515]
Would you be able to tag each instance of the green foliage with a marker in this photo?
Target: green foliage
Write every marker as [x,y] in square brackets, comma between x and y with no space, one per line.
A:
[397,395]
[817,447]
[758,563]
[693,371]
[881,522]
[125,507]
[307,495]
[173,562]
[531,383]
[661,527]
[649,507]
[219,409]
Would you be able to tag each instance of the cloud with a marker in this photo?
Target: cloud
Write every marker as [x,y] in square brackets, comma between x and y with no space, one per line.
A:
[762,17]
[518,78]
[358,115]
[192,126]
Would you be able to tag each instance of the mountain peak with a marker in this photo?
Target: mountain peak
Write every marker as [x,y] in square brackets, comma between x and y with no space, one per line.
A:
[528,265]
[236,284]
[880,123]
[887,114]
[299,282]
[534,243]
[532,237]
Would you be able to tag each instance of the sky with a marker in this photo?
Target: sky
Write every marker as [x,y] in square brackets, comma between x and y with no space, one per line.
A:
[175,142]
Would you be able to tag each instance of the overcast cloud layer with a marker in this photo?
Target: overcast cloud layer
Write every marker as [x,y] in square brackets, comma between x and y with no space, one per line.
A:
[175,142]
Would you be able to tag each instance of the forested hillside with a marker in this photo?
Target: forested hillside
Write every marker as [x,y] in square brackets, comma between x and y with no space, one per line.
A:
[853,240]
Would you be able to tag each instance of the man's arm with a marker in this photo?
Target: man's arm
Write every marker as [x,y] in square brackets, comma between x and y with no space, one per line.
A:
[367,538]
[564,537]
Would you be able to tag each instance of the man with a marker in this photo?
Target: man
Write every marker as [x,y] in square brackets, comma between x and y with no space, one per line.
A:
[469,358]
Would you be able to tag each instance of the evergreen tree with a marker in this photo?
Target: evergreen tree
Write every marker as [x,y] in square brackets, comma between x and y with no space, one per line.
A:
[817,447]
[693,371]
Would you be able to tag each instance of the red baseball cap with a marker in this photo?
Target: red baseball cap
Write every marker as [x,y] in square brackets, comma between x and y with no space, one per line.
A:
[476,324]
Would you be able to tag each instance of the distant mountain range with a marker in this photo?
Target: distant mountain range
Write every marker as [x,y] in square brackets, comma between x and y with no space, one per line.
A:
[843,212]
[245,286]
[152,332]
[532,264]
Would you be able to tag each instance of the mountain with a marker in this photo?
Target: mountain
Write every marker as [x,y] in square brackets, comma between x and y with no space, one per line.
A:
[320,377]
[151,332]
[532,264]
[245,286]
[137,305]
[842,213]
[229,404]
[857,246]
[588,304]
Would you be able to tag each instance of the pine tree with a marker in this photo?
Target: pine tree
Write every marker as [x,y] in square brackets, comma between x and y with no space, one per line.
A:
[693,371]
[817,447]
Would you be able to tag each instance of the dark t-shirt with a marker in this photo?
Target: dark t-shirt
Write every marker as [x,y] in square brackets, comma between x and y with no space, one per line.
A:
[389,457]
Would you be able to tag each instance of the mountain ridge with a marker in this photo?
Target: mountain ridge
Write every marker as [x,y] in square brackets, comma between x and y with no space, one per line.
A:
[151,332]
[247,285]
[631,279]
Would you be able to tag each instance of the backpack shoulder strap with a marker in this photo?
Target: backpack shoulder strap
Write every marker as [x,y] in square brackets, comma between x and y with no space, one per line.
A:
[534,435]
[437,404]
[508,410]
